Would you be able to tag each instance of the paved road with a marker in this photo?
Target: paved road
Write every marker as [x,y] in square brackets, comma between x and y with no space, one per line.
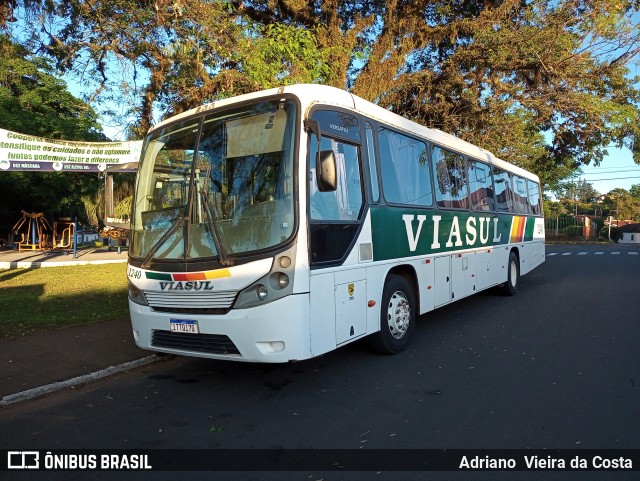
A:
[556,366]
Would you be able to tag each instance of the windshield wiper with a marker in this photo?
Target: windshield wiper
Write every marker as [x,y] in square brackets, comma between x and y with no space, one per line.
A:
[179,222]
[223,257]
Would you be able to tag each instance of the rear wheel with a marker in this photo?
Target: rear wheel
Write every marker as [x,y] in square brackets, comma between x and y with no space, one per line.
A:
[397,316]
[513,275]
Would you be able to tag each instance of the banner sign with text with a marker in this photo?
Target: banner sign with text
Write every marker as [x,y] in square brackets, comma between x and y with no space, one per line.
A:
[19,152]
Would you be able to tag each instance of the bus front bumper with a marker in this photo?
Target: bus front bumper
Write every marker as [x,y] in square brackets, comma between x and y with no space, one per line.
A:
[274,332]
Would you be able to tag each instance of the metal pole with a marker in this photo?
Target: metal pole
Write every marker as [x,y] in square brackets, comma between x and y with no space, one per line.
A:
[75,251]
[34,227]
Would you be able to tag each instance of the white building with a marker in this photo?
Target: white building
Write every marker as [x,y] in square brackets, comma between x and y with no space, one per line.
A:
[630,234]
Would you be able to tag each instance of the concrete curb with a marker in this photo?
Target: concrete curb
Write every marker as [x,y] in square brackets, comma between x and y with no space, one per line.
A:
[76,381]
[39,264]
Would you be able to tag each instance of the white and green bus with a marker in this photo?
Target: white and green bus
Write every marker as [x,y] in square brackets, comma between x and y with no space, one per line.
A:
[280,225]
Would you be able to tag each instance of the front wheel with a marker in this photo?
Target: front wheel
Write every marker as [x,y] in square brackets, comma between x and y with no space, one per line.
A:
[513,275]
[397,316]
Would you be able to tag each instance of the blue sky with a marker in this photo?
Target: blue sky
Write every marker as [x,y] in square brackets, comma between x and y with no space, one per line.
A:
[617,170]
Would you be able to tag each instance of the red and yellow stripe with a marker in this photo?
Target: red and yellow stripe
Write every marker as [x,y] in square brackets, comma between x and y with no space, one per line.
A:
[189,276]
[517,228]
[202,276]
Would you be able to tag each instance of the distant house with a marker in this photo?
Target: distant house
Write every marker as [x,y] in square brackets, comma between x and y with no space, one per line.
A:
[630,234]
[617,222]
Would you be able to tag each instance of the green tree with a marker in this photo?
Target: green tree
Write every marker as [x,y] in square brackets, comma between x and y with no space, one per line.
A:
[553,208]
[576,196]
[620,204]
[33,101]
[502,74]
[163,57]
[579,190]
[275,55]
[543,84]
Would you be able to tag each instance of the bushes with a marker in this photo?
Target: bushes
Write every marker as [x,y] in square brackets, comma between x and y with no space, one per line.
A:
[616,234]
[574,231]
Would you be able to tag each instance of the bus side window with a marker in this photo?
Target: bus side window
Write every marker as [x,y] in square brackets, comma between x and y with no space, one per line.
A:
[404,169]
[450,178]
[480,187]
[502,187]
[534,197]
[521,196]
[346,202]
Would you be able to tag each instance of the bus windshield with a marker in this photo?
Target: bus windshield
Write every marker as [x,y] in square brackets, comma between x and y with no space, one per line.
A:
[216,186]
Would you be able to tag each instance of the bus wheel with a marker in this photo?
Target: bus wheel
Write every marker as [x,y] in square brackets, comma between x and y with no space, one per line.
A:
[397,316]
[513,275]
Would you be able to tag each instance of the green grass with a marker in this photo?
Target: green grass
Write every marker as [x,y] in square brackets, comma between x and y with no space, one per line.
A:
[33,300]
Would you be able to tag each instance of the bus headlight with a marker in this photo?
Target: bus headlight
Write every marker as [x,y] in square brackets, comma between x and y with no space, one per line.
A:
[282,280]
[137,296]
[262,292]
[274,285]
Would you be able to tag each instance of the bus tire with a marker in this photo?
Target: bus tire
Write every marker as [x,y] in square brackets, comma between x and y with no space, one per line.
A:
[513,275]
[397,316]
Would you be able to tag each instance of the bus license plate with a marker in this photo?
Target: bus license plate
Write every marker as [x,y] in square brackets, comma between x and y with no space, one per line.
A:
[184,326]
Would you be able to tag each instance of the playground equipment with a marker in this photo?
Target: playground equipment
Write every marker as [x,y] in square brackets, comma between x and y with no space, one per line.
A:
[34,231]
[63,234]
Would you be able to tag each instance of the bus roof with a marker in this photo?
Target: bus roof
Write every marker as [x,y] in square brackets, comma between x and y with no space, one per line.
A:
[317,94]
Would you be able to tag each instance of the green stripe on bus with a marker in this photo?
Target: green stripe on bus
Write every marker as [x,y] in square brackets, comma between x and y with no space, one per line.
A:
[528,232]
[400,232]
[158,276]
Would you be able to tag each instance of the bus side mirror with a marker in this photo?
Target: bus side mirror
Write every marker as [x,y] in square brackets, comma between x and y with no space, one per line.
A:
[326,171]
